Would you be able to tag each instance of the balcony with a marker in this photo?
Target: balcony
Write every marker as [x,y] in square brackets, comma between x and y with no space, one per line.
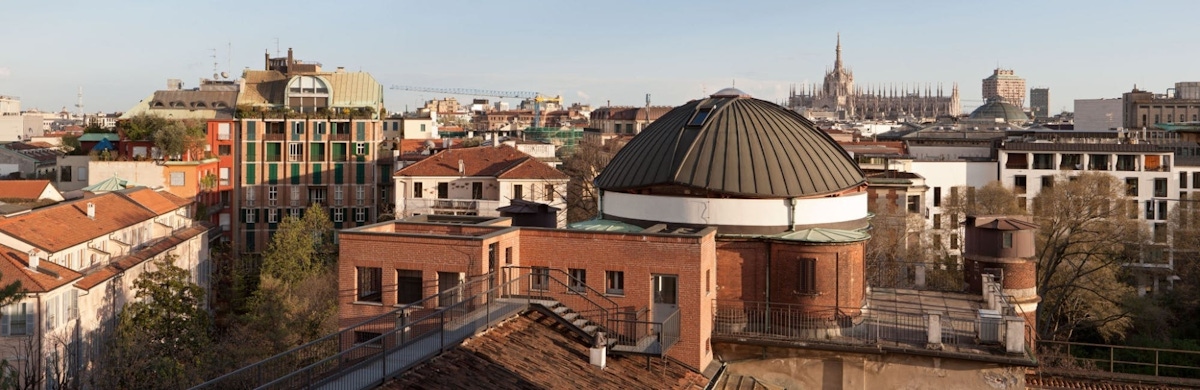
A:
[479,207]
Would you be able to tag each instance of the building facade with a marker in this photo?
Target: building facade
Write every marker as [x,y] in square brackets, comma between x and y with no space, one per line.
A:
[1142,109]
[1004,84]
[1039,103]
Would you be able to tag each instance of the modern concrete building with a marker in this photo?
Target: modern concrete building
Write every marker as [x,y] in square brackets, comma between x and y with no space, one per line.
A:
[1100,114]
[1039,103]
[1004,84]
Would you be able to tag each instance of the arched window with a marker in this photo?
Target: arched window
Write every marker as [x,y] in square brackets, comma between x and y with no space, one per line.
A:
[307,93]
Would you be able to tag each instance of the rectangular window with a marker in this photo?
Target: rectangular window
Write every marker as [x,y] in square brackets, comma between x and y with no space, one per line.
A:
[295,198]
[316,195]
[1019,184]
[250,196]
[1195,179]
[81,174]
[223,131]
[1047,182]
[1008,239]
[1131,209]
[1131,186]
[578,281]
[518,191]
[1149,209]
[177,179]
[937,221]
[224,150]
[476,190]
[339,214]
[272,195]
[408,286]
[1160,233]
[443,190]
[548,192]
[360,195]
[251,216]
[249,152]
[339,152]
[273,152]
[1043,161]
[223,176]
[272,215]
[17,320]
[614,282]
[1183,178]
[316,151]
[295,213]
[65,174]
[508,259]
[295,151]
[953,240]
[370,284]
[1160,188]
[360,149]
[914,204]
[937,196]
[418,190]
[360,215]
[539,278]
[338,195]
[708,281]
[1162,210]
[806,276]
[1071,162]
[297,128]
[319,128]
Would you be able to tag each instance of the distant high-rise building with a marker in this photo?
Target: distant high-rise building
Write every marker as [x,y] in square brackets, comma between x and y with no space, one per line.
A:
[1003,84]
[1039,103]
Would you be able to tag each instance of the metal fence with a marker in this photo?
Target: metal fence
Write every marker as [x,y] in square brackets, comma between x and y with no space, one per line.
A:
[1120,360]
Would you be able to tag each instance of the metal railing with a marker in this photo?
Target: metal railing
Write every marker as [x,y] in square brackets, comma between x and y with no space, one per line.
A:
[547,284]
[1120,360]
[480,207]
[316,358]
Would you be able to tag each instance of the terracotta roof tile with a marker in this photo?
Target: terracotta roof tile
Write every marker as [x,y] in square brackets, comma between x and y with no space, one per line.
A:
[15,267]
[532,168]
[65,225]
[153,200]
[126,262]
[533,351]
[22,189]
[478,161]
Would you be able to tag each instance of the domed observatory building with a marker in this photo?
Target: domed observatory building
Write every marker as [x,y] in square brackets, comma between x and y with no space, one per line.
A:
[789,204]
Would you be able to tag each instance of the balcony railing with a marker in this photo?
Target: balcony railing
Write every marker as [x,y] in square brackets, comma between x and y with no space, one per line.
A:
[485,208]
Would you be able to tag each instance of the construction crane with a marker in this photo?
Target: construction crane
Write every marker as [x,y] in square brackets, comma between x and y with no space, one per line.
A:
[537,98]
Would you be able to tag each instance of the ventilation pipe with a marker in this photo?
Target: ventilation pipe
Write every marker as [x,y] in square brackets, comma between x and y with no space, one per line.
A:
[791,214]
[35,259]
[91,210]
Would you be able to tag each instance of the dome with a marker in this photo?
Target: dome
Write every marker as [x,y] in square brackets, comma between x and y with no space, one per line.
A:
[731,144]
[999,109]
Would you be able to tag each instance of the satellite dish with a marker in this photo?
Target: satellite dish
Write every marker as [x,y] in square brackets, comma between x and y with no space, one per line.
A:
[224,75]
[214,76]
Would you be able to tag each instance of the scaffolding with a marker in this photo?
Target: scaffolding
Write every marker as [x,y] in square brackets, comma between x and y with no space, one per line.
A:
[563,138]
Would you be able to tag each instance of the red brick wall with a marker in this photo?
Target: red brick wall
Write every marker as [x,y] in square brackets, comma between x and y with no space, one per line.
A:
[840,279]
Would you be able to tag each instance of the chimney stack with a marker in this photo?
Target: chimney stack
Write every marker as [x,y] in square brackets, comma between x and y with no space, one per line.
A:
[35,259]
[91,210]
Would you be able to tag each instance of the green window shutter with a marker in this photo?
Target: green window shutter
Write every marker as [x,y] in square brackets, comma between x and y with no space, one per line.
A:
[314,152]
[295,173]
[316,174]
[250,174]
[250,151]
[338,173]
[272,173]
[251,130]
[360,173]
[362,131]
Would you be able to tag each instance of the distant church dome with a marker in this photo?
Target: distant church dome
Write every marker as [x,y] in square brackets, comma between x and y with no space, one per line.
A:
[999,109]
[733,145]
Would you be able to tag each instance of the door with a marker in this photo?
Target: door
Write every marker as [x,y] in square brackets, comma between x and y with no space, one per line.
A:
[666,297]
[449,285]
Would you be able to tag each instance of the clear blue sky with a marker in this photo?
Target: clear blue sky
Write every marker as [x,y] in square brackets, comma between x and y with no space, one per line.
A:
[595,52]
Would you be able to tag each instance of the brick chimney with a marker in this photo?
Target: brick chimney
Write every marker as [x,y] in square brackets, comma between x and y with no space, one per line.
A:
[35,259]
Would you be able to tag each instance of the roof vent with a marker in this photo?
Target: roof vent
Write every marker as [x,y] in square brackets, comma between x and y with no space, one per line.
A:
[35,259]
[730,93]
[91,210]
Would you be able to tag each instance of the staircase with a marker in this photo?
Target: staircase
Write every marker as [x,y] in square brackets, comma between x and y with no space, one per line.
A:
[576,322]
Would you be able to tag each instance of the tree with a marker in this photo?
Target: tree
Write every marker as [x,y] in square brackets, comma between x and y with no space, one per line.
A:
[582,166]
[141,127]
[300,247]
[161,339]
[178,138]
[1083,239]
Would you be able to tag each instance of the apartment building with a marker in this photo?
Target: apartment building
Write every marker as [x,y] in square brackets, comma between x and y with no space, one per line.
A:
[307,136]
[77,262]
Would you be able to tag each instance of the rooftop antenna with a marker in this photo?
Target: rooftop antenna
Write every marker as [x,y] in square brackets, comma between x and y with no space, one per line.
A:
[216,70]
[647,109]
[79,103]
[277,46]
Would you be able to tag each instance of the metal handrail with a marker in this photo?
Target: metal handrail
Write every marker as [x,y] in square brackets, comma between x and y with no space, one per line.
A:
[1114,364]
[600,314]
[290,356]
[588,290]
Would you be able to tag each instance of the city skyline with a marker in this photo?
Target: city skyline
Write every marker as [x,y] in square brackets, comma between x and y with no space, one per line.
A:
[595,53]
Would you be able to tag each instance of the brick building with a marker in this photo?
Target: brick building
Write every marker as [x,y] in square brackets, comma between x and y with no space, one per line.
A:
[307,136]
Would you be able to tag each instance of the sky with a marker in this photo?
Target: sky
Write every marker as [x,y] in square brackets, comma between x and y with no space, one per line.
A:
[598,52]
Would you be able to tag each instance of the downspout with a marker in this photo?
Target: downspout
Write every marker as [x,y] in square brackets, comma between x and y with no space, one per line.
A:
[791,214]
[767,320]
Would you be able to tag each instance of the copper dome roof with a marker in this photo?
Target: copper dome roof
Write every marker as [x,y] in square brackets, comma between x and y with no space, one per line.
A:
[736,145]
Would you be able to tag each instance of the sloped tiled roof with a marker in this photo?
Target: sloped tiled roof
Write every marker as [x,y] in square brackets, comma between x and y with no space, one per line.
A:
[22,189]
[14,267]
[999,222]
[482,161]
[347,89]
[262,87]
[734,145]
[126,262]
[156,201]
[65,225]
[532,352]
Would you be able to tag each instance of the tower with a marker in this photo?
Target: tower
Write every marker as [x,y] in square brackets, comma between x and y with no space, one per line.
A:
[1003,247]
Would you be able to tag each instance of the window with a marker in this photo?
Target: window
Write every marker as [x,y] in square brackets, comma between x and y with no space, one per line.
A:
[508,255]
[316,151]
[273,152]
[272,195]
[1043,161]
[370,284]
[338,195]
[578,281]
[81,174]
[177,179]
[1008,239]
[1162,210]
[1047,182]
[360,195]
[937,221]
[1131,186]
[1071,162]
[1149,209]
[1160,188]
[1183,178]
[614,282]
[539,278]
[1019,184]
[443,190]
[223,176]
[914,203]
[319,128]
[295,151]
[408,286]
[476,190]
[295,198]
[937,196]
[65,174]
[224,150]
[806,276]
[708,281]
[360,149]
[548,192]
[316,195]
[1131,209]
[1160,232]
[418,190]
[223,131]
[272,215]
[518,191]
[17,320]
[251,216]
[339,215]
[360,215]
[368,337]
[699,118]
[1017,161]
[954,241]
[295,213]
[298,128]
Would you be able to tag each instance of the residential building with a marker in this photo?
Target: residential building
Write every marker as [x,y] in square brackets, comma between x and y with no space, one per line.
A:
[77,262]
[624,120]
[305,136]
[35,160]
[1144,109]
[410,127]
[478,181]
[1039,103]
[1005,85]
[29,191]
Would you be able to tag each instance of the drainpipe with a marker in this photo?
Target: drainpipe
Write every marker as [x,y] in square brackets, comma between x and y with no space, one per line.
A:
[791,214]
[767,320]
